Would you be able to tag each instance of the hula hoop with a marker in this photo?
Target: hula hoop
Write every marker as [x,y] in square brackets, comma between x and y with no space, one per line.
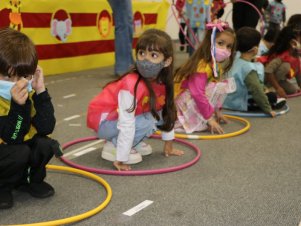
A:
[254,7]
[294,95]
[83,215]
[131,172]
[217,136]
[249,114]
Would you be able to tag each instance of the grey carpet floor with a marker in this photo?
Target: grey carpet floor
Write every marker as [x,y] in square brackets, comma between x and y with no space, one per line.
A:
[249,180]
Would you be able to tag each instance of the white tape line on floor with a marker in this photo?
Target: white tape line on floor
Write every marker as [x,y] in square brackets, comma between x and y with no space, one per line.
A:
[137,208]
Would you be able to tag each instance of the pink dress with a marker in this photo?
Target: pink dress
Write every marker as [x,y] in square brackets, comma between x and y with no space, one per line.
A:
[199,99]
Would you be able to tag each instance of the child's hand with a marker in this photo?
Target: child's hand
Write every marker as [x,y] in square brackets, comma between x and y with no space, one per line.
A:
[214,126]
[19,91]
[38,81]
[169,150]
[121,167]
[273,114]
[220,117]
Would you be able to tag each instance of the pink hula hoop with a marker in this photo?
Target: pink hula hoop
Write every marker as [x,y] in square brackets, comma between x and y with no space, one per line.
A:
[294,95]
[132,172]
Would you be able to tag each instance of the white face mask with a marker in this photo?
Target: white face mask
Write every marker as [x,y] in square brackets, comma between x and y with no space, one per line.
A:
[6,86]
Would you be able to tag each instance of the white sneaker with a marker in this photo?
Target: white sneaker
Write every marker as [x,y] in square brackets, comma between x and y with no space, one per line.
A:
[280,103]
[109,153]
[143,148]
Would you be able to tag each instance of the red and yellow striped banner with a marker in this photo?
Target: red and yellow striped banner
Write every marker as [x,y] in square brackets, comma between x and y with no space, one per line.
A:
[73,35]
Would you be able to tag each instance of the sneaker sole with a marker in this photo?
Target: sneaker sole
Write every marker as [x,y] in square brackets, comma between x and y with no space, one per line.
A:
[146,152]
[112,158]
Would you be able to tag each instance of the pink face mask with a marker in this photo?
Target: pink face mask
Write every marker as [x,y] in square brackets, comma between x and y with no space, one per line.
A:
[221,54]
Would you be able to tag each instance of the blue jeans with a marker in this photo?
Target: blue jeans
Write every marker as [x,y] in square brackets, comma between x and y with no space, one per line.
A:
[123,20]
[145,125]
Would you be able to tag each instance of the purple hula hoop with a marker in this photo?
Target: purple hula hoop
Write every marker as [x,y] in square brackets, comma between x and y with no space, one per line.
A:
[131,172]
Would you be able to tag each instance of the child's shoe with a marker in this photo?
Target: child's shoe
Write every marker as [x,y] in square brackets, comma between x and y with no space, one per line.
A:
[143,148]
[41,190]
[38,190]
[6,199]
[280,103]
[109,153]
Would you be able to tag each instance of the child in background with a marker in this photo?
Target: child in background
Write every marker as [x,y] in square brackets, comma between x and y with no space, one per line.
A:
[198,14]
[201,81]
[180,6]
[134,106]
[267,41]
[249,76]
[217,9]
[277,15]
[282,62]
[26,118]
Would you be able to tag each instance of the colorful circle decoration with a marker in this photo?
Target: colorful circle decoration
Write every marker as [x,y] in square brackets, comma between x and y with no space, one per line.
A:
[61,25]
[85,215]
[104,23]
[132,172]
[138,23]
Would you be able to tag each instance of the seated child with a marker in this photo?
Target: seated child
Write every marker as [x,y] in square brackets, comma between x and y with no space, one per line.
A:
[200,84]
[131,108]
[282,62]
[249,77]
[26,120]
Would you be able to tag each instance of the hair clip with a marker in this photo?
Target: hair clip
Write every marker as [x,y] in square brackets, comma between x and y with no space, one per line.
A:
[218,24]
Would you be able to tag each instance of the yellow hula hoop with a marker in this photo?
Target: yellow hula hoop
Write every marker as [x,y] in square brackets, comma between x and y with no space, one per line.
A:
[216,136]
[83,215]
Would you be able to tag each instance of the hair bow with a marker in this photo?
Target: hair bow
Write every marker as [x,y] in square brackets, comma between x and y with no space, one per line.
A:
[218,24]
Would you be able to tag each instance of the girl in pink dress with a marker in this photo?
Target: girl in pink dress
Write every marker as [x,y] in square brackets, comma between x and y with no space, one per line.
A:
[200,84]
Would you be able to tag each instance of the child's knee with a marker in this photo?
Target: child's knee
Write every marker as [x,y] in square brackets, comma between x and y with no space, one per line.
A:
[43,146]
[21,156]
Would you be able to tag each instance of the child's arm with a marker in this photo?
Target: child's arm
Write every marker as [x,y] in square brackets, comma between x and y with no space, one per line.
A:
[284,16]
[16,124]
[255,88]
[270,69]
[125,125]
[44,119]
[197,86]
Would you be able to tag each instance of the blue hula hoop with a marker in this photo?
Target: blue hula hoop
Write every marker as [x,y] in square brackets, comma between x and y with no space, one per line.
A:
[253,114]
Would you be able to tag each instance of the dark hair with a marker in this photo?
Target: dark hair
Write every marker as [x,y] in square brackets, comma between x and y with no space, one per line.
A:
[203,53]
[294,20]
[18,55]
[154,39]
[271,35]
[247,38]
[282,42]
